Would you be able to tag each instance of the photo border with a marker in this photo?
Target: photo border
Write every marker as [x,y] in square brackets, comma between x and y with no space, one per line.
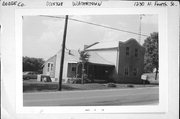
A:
[162,107]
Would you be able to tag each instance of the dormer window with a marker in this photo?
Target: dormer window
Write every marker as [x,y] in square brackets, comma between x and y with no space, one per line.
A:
[127,51]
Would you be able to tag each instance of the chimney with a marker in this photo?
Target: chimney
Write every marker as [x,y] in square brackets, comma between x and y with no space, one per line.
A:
[85,46]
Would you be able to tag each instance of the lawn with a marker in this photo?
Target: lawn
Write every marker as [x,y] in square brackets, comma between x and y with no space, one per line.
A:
[34,86]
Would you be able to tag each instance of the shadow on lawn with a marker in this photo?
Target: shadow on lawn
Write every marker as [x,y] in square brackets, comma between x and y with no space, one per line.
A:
[53,86]
[44,87]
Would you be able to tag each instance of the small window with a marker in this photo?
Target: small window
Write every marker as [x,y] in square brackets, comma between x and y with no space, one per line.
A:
[127,51]
[136,52]
[51,67]
[48,67]
[135,72]
[126,71]
[73,68]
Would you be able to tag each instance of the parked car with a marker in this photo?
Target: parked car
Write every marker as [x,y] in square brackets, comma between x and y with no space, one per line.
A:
[29,75]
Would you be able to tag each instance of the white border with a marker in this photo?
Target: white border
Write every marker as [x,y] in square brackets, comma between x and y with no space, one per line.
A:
[163,60]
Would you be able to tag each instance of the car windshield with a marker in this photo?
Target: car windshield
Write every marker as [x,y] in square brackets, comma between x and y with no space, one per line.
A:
[24,73]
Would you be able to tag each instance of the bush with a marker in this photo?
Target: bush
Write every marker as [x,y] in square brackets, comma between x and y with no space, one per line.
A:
[130,86]
[77,80]
[45,78]
[111,85]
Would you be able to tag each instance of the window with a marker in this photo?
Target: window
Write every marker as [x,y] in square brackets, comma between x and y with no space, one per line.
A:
[73,68]
[127,51]
[136,52]
[135,72]
[50,67]
[126,71]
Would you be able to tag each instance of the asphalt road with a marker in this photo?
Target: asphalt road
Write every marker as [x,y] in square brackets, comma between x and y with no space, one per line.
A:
[131,96]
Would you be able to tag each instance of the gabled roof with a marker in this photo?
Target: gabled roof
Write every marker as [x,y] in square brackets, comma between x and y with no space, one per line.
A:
[109,44]
[70,55]
[132,40]
[104,45]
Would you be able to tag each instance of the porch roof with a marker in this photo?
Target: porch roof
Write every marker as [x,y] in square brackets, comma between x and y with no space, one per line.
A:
[97,59]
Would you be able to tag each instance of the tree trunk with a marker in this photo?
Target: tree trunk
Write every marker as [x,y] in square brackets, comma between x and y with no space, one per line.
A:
[77,67]
[156,73]
[82,78]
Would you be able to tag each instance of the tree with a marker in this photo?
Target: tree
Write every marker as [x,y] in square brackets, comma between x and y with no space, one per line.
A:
[32,64]
[84,56]
[151,59]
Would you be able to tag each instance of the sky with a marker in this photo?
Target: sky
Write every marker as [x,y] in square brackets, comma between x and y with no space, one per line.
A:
[42,36]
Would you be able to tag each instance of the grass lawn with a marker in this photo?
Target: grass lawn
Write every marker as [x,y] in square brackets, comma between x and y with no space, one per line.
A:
[34,86]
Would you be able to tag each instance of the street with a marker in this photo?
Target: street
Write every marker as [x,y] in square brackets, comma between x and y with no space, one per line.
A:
[130,96]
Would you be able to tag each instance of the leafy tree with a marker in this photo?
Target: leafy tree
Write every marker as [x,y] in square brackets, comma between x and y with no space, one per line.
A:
[84,56]
[32,64]
[151,59]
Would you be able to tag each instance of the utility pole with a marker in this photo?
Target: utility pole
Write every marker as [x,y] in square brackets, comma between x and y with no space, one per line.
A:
[62,54]
[140,29]
[141,15]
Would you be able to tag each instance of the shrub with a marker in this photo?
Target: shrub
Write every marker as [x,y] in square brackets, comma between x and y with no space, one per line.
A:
[111,85]
[76,81]
[130,85]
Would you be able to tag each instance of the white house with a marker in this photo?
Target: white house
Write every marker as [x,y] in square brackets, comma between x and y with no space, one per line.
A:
[52,65]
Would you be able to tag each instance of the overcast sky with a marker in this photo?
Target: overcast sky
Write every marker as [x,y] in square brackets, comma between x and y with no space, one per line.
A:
[42,36]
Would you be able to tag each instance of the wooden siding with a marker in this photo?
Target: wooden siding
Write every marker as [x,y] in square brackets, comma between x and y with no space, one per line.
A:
[45,68]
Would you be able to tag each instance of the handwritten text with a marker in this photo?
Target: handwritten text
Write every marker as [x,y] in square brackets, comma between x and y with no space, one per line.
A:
[54,3]
[155,3]
[13,3]
[83,3]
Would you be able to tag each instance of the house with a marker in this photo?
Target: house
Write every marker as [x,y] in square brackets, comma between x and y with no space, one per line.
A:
[122,62]
[52,65]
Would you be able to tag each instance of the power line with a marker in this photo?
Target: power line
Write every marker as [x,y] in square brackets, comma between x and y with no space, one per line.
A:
[98,25]
[106,27]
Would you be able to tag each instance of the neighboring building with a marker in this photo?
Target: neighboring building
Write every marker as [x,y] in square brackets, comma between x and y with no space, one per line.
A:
[52,65]
[122,62]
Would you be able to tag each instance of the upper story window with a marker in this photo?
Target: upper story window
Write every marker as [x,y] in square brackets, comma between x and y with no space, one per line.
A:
[127,51]
[136,52]
[50,67]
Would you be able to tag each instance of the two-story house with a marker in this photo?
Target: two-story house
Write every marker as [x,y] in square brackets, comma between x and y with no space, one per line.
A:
[122,62]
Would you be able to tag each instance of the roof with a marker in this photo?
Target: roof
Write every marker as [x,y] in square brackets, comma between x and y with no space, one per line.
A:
[70,55]
[109,44]
[104,45]
[97,59]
